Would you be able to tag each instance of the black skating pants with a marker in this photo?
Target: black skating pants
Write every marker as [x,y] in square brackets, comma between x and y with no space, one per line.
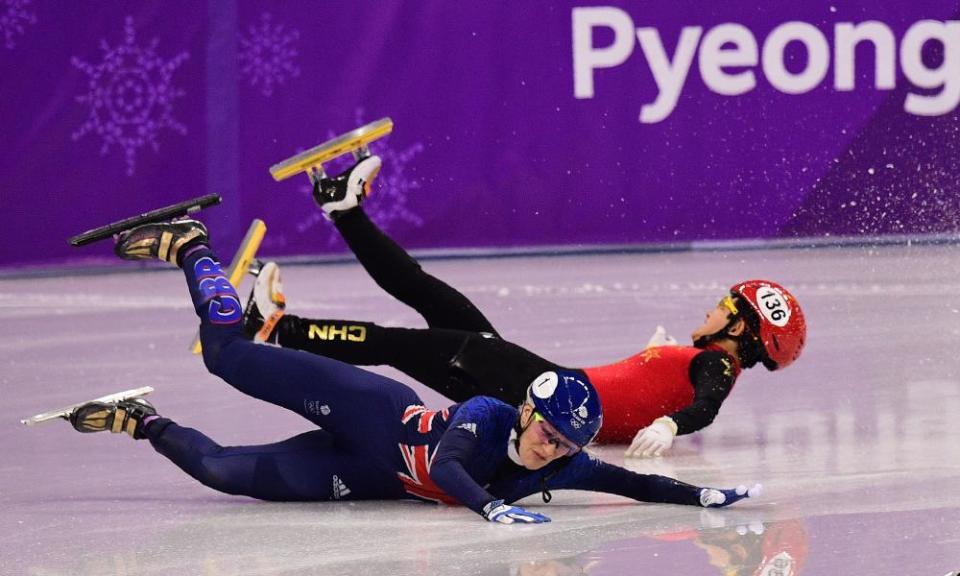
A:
[460,355]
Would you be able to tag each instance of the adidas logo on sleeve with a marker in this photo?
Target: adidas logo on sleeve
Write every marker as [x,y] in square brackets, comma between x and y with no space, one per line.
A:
[470,427]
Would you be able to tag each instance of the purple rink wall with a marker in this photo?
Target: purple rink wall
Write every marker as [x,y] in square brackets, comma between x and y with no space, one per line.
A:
[517,124]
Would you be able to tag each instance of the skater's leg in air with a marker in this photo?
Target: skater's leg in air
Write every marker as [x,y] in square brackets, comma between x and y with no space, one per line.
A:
[288,378]
[455,357]
[441,305]
[423,354]
[456,363]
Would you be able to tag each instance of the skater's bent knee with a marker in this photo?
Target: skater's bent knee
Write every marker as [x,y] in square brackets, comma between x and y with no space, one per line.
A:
[211,356]
[254,476]
[216,353]
[224,475]
[407,280]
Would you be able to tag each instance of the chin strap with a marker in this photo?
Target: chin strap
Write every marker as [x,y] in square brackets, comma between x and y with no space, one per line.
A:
[513,446]
[544,491]
[518,430]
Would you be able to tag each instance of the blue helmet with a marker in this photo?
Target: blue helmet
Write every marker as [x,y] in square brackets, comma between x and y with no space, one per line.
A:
[569,402]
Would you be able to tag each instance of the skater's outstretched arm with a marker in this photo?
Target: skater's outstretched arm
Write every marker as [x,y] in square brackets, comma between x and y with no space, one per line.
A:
[712,375]
[590,473]
[482,424]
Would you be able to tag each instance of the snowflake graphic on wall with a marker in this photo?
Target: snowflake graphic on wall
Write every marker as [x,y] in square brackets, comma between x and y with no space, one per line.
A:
[16,16]
[268,54]
[130,96]
[388,203]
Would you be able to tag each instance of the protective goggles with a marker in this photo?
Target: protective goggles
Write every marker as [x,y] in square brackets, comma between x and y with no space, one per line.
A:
[728,303]
[561,446]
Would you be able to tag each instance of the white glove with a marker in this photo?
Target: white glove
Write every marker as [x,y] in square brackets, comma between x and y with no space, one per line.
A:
[654,439]
[719,498]
[660,338]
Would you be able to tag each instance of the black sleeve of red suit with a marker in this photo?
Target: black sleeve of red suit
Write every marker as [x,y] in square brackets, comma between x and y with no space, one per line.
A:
[712,374]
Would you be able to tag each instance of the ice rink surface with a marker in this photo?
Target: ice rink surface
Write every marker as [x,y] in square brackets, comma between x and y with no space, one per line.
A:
[857,444]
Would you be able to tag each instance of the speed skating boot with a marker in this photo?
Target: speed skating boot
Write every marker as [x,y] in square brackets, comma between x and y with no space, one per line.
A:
[266,305]
[347,190]
[164,240]
[121,416]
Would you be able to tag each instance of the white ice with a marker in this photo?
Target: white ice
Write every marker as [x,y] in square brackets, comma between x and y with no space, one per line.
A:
[857,445]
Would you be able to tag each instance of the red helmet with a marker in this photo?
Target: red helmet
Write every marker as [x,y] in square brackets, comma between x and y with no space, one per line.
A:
[783,329]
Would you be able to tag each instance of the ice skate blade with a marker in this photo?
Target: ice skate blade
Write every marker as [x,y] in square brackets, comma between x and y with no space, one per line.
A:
[334,148]
[65,412]
[159,215]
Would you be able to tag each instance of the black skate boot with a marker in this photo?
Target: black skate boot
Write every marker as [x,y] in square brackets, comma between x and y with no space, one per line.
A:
[266,305]
[341,193]
[121,416]
[164,240]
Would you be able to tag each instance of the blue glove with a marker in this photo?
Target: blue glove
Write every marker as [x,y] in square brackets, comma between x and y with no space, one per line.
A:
[714,498]
[497,511]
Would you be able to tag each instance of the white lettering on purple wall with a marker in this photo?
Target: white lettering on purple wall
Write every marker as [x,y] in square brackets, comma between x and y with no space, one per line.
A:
[727,56]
